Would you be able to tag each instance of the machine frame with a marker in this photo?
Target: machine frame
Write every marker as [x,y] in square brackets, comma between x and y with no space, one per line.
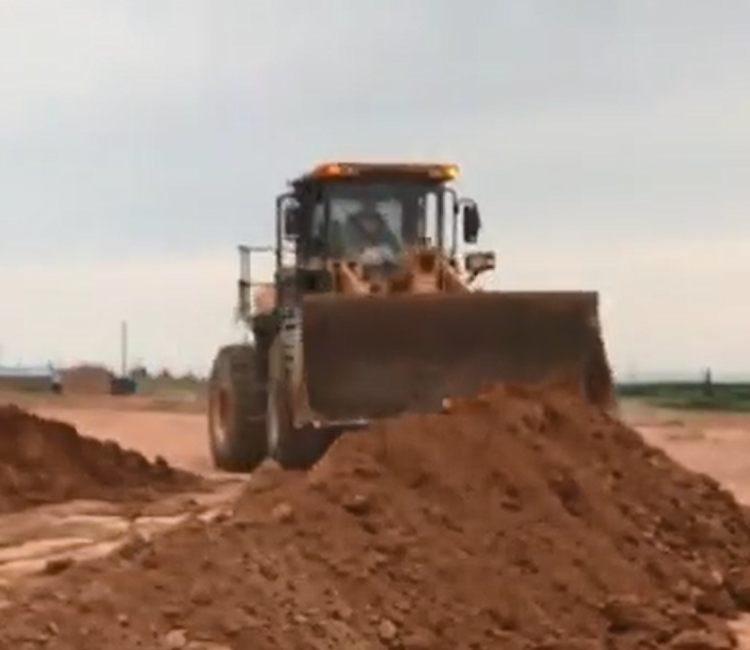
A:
[257,403]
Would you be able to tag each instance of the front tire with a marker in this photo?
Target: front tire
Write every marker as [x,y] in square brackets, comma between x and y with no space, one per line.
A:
[291,448]
[237,409]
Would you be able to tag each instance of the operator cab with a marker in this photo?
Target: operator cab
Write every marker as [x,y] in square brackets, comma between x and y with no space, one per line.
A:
[374,213]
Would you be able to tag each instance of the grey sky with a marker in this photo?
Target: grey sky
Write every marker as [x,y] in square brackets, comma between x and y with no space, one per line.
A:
[607,143]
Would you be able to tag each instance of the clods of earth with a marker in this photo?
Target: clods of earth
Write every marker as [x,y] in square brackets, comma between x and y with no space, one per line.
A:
[522,519]
[44,461]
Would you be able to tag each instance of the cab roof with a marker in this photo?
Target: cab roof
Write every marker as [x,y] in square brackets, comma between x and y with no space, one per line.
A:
[330,171]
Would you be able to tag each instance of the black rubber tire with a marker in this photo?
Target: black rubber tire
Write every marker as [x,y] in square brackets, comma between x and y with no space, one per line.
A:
[294,449]
[237,397]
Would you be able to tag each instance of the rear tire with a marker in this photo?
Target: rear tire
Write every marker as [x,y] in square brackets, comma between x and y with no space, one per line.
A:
[236,409]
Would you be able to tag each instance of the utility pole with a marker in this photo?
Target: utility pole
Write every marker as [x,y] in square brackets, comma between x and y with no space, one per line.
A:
[124,349]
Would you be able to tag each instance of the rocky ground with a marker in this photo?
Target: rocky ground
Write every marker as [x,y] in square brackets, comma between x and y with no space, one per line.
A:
[521,519]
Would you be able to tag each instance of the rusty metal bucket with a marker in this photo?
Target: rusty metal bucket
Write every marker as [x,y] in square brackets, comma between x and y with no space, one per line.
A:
[371,357]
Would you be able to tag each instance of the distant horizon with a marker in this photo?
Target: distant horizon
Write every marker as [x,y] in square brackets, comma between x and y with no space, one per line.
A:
[641,376]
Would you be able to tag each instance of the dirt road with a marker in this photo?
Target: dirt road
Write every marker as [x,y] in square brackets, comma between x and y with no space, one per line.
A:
[180,438]
[51,529]
[717,444]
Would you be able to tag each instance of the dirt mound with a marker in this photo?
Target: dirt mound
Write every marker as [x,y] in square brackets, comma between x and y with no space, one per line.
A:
[45,461]
[519,520]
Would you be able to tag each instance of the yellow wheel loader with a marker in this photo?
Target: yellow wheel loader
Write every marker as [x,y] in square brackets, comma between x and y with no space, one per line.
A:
[372,313]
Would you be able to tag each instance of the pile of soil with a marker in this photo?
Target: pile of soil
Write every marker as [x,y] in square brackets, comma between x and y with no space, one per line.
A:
[519,520]
[45,461]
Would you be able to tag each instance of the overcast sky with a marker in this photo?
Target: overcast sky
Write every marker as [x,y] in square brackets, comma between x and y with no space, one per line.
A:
[608,144]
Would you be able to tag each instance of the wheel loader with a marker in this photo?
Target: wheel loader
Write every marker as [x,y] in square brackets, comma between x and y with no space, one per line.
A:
[373,312]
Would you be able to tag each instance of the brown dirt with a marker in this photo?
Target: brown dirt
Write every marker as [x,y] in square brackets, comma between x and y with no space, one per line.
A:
[520,520]
[178,436]
[46,461]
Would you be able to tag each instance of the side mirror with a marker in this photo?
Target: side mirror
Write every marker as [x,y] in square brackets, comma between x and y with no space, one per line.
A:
[472,223]
[291,220]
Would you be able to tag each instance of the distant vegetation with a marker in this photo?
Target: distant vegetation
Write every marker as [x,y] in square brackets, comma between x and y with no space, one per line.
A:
[166,382]
[695,395]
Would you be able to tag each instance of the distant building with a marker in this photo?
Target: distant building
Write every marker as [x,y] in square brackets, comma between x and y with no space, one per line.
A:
[86,380]
[41,379]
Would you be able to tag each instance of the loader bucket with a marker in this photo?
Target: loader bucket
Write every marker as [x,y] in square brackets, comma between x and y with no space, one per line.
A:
[371,357]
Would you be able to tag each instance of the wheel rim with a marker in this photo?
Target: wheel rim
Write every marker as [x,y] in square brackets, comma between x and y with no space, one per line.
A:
[272,421]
